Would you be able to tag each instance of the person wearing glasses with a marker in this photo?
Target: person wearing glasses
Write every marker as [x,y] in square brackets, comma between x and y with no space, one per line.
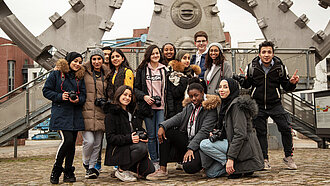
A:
[201,41]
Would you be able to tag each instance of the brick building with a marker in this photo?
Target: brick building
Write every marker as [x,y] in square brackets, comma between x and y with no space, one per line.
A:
[13,66]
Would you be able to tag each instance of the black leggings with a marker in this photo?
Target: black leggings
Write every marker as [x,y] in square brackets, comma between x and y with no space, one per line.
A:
[140,162]
[66,149]
[174,148]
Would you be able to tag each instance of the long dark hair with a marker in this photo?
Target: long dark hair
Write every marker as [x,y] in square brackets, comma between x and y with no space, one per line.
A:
[147,55]
[131,106]
[165,59]
[123,64]
[218,61]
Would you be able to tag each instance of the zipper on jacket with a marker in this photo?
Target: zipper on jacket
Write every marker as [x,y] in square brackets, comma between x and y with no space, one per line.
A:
[278,93]
[254,89]
[113,150]
[265,96]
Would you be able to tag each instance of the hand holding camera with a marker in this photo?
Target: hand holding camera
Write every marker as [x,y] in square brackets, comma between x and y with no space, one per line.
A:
[215,135]
[135,138]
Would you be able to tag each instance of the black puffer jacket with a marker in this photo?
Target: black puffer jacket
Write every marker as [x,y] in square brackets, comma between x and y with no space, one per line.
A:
[266,87]
[118,135]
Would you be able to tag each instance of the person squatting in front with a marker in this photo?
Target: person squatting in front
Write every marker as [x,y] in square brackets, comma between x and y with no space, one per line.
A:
[126,139]
[233,146]
[65,87]
[193,124]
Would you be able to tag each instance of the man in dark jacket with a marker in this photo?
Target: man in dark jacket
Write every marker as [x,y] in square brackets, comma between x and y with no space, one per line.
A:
[201,41]
[265,75]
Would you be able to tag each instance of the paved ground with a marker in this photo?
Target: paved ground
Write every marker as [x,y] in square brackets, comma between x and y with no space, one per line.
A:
[36,159]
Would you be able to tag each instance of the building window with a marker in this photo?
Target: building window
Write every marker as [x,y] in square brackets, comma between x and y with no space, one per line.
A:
[11,75]
[328,64]
[34,75]
[26,61]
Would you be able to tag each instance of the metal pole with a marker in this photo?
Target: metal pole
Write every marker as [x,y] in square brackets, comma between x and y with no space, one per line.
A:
[233,60]
[307,63]
[137,57]
[15,147]
[27,106]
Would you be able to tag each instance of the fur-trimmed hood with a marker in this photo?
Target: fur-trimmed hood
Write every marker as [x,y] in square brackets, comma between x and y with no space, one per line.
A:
[246,104]
[179,67]
[211,102]
[63,66]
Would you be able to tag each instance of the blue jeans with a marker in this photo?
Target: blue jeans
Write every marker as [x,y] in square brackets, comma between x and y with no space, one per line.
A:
[217,151]
[152,125]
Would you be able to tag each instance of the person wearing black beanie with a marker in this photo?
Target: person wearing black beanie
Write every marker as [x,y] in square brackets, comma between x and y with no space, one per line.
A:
[234,147]
[65,87]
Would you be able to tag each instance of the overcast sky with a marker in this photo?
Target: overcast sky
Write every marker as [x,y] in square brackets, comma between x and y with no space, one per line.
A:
[34,14]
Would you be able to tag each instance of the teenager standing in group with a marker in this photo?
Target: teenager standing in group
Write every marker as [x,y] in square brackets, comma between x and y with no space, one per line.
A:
[150,89]
[168,52]
[200,41]
[65,87]
[217,68]
[95,75]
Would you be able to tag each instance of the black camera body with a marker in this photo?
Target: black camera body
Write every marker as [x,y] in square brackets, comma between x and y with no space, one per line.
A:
[72,95]
[100,102]
[141,135]
[239,77]
[158,100]
[216,135]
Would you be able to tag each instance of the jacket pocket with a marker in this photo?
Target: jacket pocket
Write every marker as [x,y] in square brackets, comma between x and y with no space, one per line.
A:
[253,92]
[113,150]
[278,93]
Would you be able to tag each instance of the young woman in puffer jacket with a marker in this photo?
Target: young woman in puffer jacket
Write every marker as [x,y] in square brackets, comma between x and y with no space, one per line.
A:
[65,87]
[180,72]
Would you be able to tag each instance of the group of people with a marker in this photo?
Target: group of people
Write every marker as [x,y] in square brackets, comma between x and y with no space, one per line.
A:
[193,112]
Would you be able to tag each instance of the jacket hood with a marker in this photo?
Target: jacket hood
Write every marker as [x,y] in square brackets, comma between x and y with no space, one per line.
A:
[196,69]
[88,68]
[248,105]
[63,66]
[211,102]
[176,65]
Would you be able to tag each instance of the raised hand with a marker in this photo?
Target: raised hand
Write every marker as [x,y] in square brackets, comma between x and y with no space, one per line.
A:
[295,78]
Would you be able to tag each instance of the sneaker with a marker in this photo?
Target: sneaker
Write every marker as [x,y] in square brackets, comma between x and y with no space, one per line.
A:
[125,176]
[98,166]
[290,163]
[267,165]
[158,175]
[178,166]
[92,173]
[156,165]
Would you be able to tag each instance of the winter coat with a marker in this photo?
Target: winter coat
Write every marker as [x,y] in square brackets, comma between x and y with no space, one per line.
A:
[206,120]
[201,64]
[266,87]
[65,115]
[243,144]
[214,82]
[94,115]
[118,135]
[141,89]
[177,83]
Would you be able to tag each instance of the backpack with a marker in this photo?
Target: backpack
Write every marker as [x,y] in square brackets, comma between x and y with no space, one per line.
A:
[251,67]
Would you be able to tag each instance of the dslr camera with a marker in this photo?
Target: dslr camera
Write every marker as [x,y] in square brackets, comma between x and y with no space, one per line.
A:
[141,135]
[158,100]
[72,95]
[216,135]
[239,77]
[100,102]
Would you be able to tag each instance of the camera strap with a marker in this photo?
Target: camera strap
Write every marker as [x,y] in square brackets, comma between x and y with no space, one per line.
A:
[63,78]
[102,78]
[192,119]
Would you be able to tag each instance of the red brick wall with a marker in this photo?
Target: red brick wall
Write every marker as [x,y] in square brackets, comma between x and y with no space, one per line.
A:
[11,52]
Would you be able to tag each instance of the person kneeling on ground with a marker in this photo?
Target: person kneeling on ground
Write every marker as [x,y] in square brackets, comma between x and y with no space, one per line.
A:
[126,139]
[235,138]
[193,125]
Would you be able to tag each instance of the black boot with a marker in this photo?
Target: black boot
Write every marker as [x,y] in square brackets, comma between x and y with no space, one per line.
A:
[56,173]
[69,175]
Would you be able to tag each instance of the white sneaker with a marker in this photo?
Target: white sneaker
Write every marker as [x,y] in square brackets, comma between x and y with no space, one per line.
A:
[290,163]
[156,165]
[178,166]
[267,165]
[125,176]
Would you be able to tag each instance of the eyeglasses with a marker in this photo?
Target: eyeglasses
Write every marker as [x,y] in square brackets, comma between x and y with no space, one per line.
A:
[200,41]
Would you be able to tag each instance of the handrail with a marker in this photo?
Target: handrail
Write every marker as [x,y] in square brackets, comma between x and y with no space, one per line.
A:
[26,84]
[312,106]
